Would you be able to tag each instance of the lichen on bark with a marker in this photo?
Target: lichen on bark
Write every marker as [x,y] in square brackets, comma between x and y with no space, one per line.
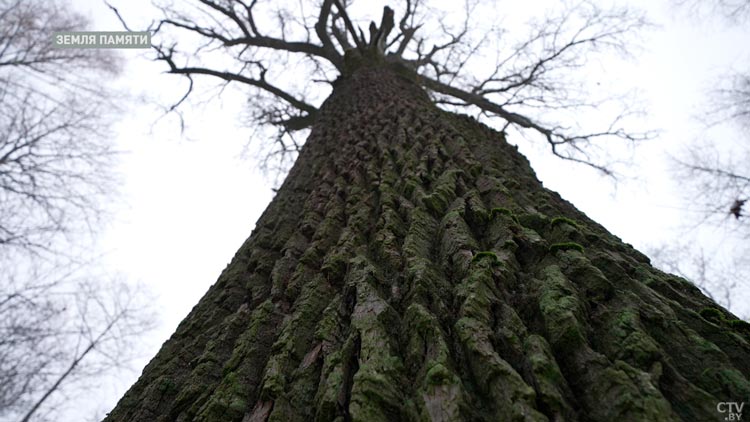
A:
[412,267]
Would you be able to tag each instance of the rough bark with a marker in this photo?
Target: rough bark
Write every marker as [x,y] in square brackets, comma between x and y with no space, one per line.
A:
[412,267]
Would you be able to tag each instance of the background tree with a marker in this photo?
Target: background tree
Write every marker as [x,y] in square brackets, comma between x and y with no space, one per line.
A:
[734,10]
[54,164]
[412,267]
[721,179]
[718,280]
[714,176]
[61,331]
[62,323]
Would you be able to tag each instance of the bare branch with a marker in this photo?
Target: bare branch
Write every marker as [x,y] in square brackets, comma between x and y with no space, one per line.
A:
[72,367]
[406,27]
[228,76]
[380,34]
[358,41]
[555,136]
[322,32]
[255,41]
[730,101]
[60,325]
[716,183]
[735,11]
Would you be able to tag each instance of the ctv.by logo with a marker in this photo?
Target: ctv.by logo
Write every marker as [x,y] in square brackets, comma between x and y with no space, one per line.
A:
[732,411]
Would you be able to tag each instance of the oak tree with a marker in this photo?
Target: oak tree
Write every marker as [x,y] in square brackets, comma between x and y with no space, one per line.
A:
[411,266]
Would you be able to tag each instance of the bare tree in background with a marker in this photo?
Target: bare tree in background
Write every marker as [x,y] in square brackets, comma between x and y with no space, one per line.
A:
[713,173]
[717,184]
[528,82]
[718,179]
[718,280]
[55,162]
[61,323]
[733,10]
[60,330]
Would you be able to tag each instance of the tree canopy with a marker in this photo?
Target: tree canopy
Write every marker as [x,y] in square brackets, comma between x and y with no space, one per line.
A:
[529,82]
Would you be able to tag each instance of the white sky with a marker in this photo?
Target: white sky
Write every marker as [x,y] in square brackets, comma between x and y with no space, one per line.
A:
[189,200]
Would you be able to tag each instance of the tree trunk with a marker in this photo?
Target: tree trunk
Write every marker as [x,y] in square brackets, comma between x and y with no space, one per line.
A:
[412,267]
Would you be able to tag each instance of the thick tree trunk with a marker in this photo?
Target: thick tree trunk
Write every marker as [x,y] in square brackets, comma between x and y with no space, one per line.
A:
[412,267]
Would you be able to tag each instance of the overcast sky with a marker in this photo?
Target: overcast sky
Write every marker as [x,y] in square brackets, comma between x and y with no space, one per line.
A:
[188,200]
